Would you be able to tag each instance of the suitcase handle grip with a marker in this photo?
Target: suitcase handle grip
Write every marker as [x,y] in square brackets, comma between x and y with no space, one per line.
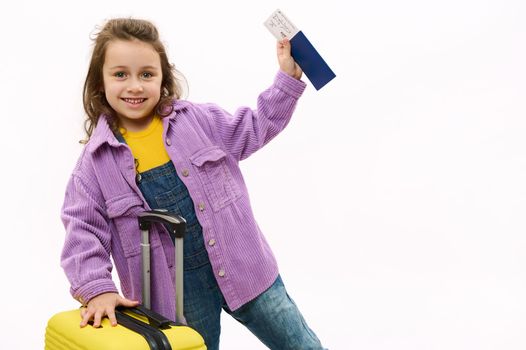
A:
[155,338]
[154,319]
[175,223]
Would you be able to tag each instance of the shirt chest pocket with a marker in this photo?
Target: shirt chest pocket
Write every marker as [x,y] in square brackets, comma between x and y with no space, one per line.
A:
[217,180]
[123,210]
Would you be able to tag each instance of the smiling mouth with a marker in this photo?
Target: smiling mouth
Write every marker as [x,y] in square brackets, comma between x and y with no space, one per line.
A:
[134,101]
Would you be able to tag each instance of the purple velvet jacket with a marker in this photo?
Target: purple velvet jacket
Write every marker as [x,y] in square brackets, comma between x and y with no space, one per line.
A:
[205,144]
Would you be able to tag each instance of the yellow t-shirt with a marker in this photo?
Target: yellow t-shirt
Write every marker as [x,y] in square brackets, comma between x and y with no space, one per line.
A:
[147,145]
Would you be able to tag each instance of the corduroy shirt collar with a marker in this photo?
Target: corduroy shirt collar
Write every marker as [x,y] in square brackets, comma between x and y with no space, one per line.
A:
[102,133]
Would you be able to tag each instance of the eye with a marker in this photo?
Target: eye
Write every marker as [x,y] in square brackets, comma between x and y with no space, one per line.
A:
[120,75]
[146,75]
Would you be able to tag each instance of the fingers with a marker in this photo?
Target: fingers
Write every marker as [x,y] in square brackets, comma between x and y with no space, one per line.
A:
[84,316]
[111,316]
[283,47]
[101,306]
[88,314]
[92,313]
[284,43]
[97,318]
[120,301]
[286,62]
[127,302]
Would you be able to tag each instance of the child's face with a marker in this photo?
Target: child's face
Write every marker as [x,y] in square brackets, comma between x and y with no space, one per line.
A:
[132,81]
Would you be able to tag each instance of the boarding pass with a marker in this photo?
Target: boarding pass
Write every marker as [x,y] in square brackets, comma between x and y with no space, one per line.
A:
[280,26]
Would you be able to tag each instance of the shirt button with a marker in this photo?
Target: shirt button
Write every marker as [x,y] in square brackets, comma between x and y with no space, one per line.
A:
[168,141]
[201,206]
[185,172]
[221,273]
[212,242]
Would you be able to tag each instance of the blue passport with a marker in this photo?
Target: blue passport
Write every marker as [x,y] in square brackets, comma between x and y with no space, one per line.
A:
[303,52]
[310,61]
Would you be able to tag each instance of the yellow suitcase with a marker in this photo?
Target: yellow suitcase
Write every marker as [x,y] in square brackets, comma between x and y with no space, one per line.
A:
[63,333]
[138,328]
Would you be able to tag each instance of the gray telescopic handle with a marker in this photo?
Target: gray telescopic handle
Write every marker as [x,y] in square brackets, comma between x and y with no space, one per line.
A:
[177,225]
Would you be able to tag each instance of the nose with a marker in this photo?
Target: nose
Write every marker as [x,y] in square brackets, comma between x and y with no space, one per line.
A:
[135,86]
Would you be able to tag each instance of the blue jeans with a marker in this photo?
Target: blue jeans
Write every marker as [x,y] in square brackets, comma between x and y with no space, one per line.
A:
[272,316]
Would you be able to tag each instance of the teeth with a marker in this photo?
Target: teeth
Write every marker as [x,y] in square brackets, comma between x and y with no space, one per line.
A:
[134,100]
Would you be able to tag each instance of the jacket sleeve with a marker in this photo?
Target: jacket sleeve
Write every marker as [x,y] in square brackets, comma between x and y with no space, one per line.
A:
[248,130]
[86,253]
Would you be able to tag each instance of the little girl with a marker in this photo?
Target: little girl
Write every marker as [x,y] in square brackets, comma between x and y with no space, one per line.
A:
[148,149]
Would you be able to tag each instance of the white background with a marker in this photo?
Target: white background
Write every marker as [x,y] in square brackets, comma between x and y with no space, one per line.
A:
[394,201]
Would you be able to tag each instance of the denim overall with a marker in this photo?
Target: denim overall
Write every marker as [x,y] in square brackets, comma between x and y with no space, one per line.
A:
[162,189]
[272,317]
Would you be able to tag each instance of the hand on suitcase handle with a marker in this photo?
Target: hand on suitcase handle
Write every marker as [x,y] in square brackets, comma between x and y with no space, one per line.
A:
[103,305]
[175,223]
[154,319]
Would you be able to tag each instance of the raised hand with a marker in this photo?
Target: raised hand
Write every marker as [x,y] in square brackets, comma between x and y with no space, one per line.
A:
[286,62]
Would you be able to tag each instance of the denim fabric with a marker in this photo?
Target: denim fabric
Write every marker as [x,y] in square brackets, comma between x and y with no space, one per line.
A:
[272,317]
[163,189]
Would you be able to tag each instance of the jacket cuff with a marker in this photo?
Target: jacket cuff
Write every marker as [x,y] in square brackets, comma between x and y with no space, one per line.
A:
[90,290]
[289,85]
